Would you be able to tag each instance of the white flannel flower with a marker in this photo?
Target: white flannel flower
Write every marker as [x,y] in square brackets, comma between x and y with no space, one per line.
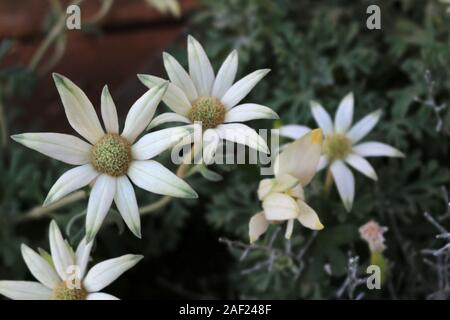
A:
[62,275]
[342,145]
[283,197]
[110,158]
[200,96]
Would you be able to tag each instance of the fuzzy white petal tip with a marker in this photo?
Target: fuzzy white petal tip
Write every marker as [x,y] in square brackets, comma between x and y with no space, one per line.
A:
[257,226]
[348,204]
[104,273]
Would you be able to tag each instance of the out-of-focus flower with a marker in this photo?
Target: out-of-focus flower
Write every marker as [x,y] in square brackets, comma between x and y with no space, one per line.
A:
[342,147]
[283,197]
[62,275]
[200,96]
[166,6]
[372,233]
[110,157]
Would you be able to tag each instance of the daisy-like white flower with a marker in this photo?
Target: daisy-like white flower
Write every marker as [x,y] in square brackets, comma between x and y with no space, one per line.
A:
[342,145]
[110,158]
[62,275]
[200,96]
[283,197]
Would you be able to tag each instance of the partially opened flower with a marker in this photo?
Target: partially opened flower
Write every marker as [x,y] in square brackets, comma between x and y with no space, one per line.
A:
[110,158]
[342,145]
[283,197]
[200,96]
[62,274]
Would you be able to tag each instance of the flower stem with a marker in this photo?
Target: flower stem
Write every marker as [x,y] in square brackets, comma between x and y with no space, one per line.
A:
[155,206]
[328,182]
[57,35]
[51,37]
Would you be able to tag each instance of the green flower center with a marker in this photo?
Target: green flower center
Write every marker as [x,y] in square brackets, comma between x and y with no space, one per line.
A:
[337,146]
[111,155]
[207,110]
[62,292]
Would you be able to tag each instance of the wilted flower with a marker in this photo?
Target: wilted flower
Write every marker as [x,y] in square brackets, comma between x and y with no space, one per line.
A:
[372,233]
[62,275]
[110,157]
[283,197]
[341,145]
[200,96]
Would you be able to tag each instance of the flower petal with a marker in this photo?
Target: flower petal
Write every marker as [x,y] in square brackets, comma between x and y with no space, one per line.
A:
[308,217]
[322,117]
[200,69]
[156,142]
[167,117]
[211,141]
[279,207]
[362,165]
[24,290]
[323,163]
[345,183]
[100,200]
[376,149]
[257,226]
[39,268]
[79,110]
[101,296]
[240,89]
[142,111]
[179,77]
[301,157]
[226,75]
[82,255]
[70,181]
[242,134]
[109,112]
[62,257]
[62,147]
[344,114]
[293,131]
[284,183]
[104,273]
[296,192]
[174,98]
[364,126]
[249,111]
[154,177]
[125,200]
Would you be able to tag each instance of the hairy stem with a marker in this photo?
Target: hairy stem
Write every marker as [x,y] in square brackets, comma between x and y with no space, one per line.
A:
[106,6]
